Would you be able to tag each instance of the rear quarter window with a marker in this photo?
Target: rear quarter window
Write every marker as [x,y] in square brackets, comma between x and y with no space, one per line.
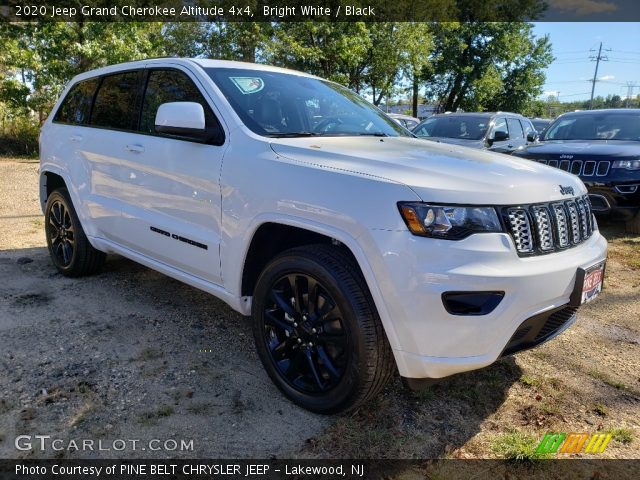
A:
[76,106]
[115,105]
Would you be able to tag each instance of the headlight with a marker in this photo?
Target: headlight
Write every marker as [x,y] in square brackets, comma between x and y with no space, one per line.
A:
[627,164]
[450,222]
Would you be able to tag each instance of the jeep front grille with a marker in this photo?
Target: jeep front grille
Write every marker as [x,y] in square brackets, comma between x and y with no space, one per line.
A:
[545,228]
[589,168]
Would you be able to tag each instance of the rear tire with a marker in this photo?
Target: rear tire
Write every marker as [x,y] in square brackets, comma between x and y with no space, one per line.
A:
[633,225]
[69,248]
[317,330]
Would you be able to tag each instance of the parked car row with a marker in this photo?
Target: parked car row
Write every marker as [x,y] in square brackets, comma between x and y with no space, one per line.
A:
[602,147]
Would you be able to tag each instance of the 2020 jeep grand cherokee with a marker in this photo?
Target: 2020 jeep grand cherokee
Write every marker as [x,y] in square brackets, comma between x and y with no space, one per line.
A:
[356,248]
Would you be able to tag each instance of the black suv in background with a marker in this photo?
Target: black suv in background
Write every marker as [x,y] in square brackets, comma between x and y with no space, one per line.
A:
[602,147]
[502,132]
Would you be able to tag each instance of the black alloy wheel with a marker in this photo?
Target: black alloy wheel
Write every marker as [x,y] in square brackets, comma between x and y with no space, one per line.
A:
[61,233]
[304,333]
[70,250]
[317,330]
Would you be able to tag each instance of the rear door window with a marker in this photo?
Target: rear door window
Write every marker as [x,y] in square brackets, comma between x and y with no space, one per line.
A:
[76,106]
[515,129]
[115,105]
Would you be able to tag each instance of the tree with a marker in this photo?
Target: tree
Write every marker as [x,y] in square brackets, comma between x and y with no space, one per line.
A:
[39,58]
[333,50]
[487,66]
[489,58]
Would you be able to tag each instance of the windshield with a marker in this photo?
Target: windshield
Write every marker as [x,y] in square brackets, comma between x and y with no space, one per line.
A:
[450,126]
[540,125]
[278,104]
[595,126]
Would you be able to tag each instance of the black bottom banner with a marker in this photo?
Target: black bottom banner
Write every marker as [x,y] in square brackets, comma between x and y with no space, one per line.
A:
[199,469]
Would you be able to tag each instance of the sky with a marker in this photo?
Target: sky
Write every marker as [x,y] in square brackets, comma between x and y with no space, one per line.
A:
[571,72]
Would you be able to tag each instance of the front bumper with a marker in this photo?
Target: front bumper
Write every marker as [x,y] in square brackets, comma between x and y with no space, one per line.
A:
[414,272]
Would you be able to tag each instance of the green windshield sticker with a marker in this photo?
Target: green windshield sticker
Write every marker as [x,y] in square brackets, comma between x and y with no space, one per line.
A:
[248,84]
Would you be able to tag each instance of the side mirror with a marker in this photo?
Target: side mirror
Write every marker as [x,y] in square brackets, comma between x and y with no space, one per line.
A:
[500,136]
[183,120]
[532,137]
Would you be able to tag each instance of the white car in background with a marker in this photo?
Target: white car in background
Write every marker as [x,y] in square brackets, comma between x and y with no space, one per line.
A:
[407,121]
[357,249]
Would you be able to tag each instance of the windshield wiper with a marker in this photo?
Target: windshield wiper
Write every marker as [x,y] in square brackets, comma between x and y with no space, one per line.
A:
[294,134]
[373,134]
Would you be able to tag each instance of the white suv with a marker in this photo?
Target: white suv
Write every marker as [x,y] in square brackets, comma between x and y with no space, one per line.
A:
[356,248]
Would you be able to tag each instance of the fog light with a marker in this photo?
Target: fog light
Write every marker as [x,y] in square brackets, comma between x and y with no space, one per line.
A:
[471,303]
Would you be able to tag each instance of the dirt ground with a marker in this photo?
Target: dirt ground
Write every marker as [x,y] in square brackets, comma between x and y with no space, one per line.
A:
[131,354]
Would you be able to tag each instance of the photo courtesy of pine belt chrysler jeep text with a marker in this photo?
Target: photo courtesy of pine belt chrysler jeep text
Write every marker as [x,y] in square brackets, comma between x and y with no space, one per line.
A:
[357,249]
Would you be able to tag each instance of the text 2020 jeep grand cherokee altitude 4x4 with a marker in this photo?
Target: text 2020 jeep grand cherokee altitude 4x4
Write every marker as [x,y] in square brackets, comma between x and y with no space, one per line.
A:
[354,247]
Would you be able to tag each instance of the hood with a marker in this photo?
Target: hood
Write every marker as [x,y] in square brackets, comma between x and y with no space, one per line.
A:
[552,149]
[437,172]
[457,141]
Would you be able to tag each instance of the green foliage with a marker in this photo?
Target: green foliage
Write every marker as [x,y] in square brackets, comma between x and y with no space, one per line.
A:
[622,435]
[517,445]
[482,66]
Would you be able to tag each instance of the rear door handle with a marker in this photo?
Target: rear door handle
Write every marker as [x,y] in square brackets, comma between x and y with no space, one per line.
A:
[75,138]
[136,148]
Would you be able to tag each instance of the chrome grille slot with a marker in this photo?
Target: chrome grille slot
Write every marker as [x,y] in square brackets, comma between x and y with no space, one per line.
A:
[562,224]
[544,162]
[564,165]
[576,167]
[603,168]
[585,222]
[574,221]
[553,163]
[543,227]
[589,168]
[521,230]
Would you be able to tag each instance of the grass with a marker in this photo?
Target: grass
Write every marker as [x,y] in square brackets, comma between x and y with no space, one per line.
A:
[517,445]
[529,381]
[605,378]
[199,408]
[622,435]
[601,409]
[82,413]
[152,417]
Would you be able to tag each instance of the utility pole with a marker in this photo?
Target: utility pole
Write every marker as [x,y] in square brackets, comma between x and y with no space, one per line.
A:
[595,75]
[630,87]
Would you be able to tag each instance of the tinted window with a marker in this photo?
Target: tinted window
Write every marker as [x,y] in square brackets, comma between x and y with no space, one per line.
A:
[76,106]
[115,104]
[281,104]
[501,126]
[467,127]
[166,86]
[515,128]
[528,127]
[595,126]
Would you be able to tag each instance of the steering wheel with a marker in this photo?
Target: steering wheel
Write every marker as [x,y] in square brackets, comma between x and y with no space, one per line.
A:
[322,125]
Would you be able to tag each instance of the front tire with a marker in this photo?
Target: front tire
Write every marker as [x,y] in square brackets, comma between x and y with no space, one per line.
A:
[317,331]
[69,248]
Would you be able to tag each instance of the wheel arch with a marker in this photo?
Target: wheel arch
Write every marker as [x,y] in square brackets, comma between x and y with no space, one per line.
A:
[257,256]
